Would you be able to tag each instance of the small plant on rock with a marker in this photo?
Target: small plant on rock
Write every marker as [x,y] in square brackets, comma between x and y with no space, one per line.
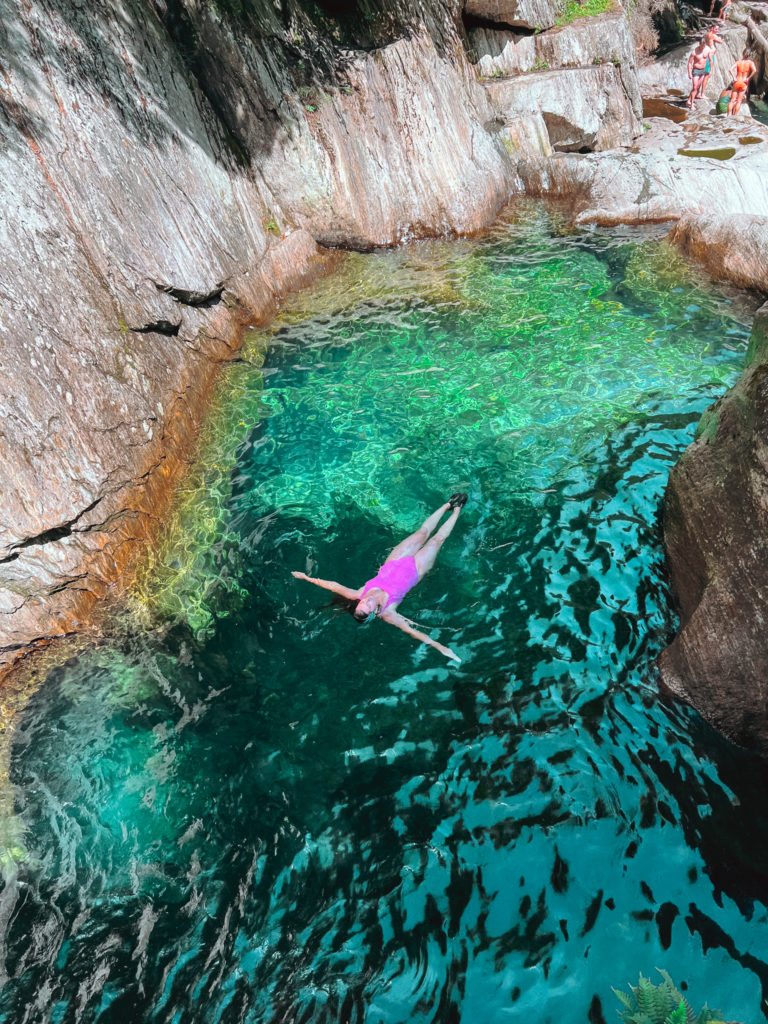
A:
[660,1004]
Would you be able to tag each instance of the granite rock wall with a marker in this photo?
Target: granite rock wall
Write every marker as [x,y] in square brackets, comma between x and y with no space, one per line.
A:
[168,171]
[715,530]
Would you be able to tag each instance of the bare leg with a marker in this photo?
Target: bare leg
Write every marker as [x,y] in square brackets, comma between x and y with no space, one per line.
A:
[417,540]
[425,558]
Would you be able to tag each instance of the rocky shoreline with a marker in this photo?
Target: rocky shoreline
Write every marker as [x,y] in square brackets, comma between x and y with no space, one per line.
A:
[172,169]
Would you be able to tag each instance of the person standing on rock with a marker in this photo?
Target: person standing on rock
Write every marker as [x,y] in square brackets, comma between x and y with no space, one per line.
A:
[712,40]
[405,566]
[741,72]
[699,69]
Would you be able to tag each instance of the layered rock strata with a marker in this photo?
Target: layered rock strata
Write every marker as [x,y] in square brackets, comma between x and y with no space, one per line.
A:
[583,109]
[533,15]
[716,534]
[572,89]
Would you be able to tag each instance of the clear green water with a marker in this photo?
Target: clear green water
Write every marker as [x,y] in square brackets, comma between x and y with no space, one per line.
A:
[248,808]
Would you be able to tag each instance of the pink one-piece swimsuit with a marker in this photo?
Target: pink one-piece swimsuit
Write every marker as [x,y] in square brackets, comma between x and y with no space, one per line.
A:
[395,578]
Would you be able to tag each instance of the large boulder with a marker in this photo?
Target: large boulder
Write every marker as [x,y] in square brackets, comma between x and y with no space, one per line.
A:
[529,14]
[732,248]
[716,537]
[584,109]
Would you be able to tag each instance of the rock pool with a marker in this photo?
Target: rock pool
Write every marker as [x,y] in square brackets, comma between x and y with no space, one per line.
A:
[244,807]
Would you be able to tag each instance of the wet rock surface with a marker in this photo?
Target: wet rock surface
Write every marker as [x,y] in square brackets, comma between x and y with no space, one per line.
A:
[715,530]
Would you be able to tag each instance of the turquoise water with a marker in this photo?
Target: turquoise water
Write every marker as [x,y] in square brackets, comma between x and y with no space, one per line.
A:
[245,807]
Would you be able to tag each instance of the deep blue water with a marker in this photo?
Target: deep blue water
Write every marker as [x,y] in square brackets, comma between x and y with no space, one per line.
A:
[244,807]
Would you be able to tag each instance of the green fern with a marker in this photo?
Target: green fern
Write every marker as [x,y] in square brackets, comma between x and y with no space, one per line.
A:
[661,1004]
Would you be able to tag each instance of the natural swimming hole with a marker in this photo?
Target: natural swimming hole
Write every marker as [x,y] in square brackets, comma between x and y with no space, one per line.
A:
[244,807]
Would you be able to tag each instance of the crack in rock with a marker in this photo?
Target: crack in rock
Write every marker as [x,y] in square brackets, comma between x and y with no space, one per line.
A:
[47,536]
[193,297]
[158,327]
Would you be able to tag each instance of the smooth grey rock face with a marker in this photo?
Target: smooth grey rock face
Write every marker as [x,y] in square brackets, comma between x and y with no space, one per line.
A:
[732,247]
[586,42]
[530,14]
[584,89]
[117,185]
[654,181]
[582,108]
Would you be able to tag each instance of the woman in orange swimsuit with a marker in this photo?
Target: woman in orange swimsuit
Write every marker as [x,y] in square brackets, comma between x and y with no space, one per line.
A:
[406,564]
[741,72]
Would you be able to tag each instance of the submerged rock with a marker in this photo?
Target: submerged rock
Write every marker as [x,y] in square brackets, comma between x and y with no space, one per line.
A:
[715,529]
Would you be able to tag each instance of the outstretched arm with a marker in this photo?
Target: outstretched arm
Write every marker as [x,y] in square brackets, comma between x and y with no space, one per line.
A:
[337,588]
[396,619]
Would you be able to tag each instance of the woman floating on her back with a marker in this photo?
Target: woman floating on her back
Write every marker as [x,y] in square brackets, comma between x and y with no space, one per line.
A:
[406,564]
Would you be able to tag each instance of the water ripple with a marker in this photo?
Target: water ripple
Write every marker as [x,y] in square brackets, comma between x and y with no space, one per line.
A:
[245,808]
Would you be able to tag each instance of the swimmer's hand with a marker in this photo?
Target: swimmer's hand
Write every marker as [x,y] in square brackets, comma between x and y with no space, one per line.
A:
[299,575]
[448,653]
[396,619]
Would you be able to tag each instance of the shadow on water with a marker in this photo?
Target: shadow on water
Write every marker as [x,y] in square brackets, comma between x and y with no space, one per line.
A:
[254,809]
